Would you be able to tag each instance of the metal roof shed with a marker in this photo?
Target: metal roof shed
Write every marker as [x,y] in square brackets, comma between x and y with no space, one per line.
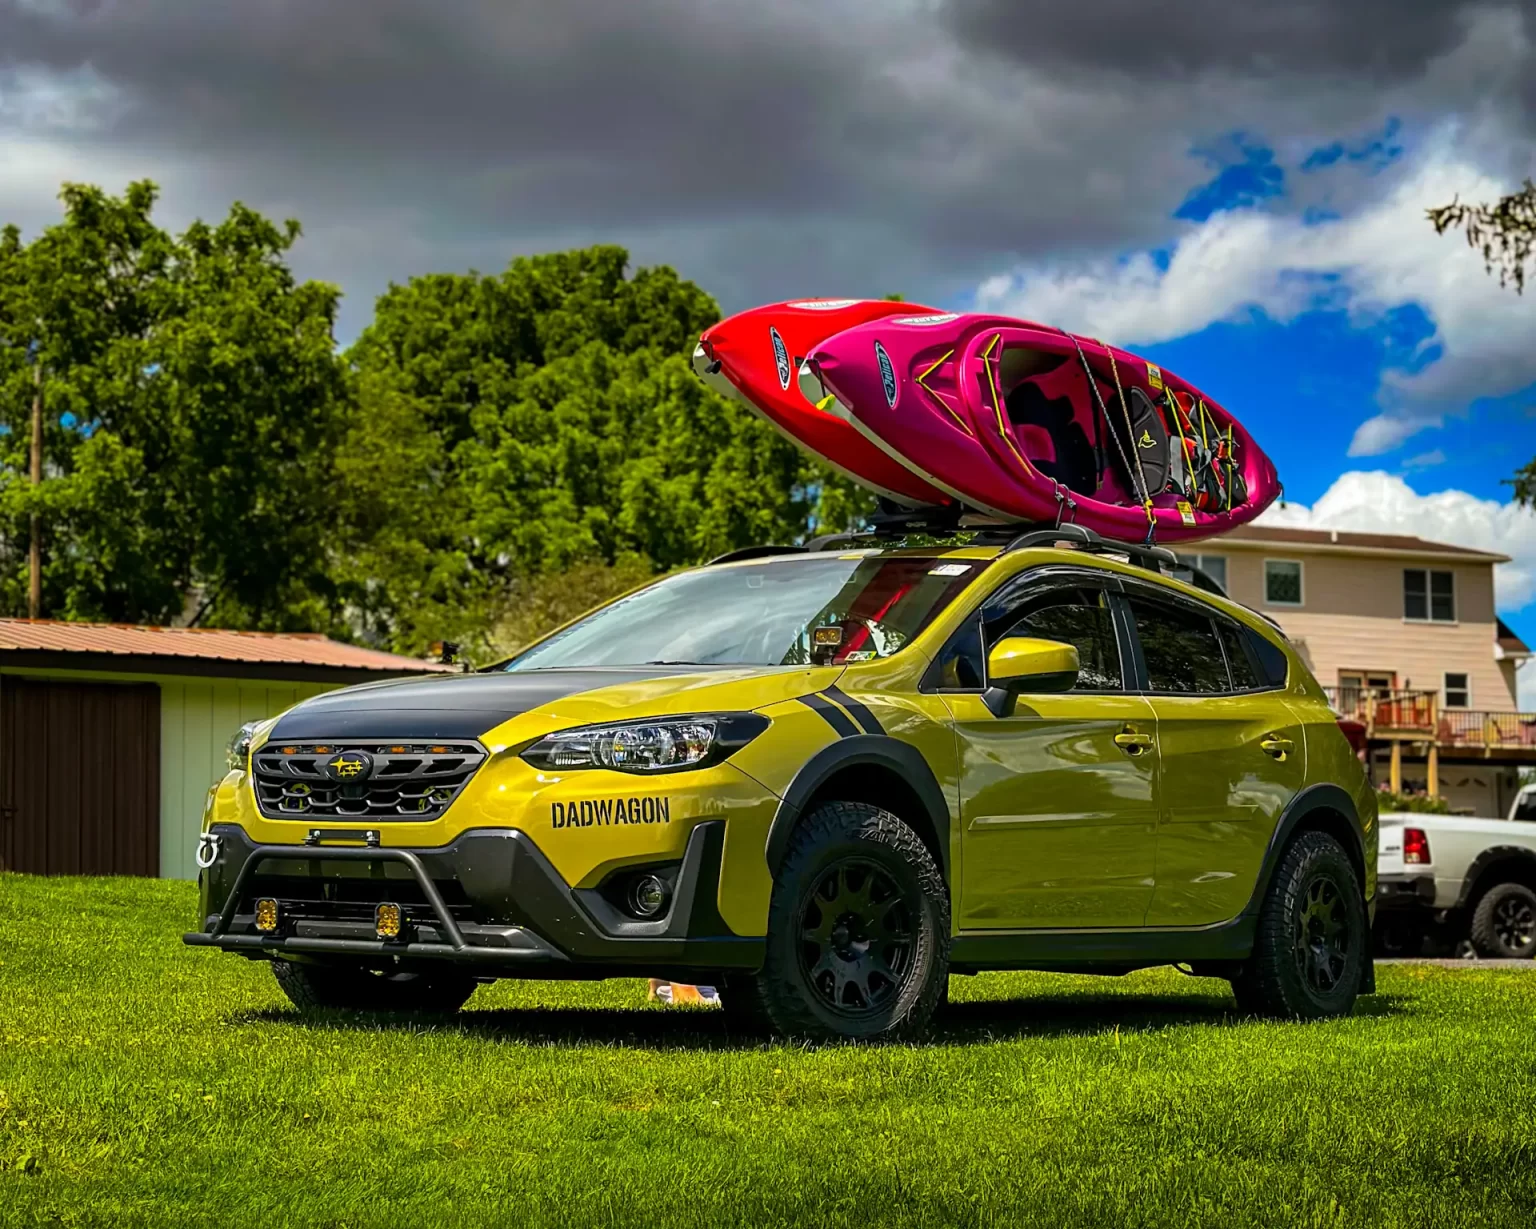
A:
[111,734]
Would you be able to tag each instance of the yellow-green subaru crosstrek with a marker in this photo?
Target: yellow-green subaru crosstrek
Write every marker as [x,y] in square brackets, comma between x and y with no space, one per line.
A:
[822,780]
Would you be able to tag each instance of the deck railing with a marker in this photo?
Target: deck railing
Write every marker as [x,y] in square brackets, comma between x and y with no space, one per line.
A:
[1401,714]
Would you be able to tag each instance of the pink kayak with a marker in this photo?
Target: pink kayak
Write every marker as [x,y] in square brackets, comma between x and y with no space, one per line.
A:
[1027,422]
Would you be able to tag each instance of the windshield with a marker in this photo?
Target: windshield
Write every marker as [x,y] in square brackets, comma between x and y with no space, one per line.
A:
[789,612]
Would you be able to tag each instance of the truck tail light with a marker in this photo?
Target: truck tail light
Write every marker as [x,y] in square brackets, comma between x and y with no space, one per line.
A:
[1415,847]
[1354,731]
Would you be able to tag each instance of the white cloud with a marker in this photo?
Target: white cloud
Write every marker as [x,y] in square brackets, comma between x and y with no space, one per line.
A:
[1383,255]
[1377,502]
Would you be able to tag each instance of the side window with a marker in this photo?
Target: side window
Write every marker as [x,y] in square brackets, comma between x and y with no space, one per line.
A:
[1245,675]
[1180,647]
[1274,667]
[1079,617]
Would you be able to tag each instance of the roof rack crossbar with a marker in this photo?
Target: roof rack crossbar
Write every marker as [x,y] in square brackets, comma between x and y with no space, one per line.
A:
[892,521]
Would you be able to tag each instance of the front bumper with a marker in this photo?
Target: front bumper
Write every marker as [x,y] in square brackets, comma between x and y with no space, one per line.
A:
[490,902]
[1405,891]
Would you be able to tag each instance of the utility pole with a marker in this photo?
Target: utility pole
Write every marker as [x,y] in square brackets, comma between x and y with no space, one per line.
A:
[35,590]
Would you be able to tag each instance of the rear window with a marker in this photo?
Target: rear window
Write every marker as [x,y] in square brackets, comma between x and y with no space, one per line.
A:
[1270,657]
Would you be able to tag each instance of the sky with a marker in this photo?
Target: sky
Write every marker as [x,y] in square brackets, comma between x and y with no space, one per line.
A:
[1237,191]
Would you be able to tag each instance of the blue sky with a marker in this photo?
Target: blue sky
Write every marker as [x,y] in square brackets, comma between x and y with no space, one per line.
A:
[1309,294]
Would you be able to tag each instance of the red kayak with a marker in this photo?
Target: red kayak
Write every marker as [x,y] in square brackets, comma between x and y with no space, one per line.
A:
[755,357]
[1026,422]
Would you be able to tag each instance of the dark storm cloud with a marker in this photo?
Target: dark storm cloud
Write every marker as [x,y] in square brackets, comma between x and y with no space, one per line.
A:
[766,149]
[1380,40]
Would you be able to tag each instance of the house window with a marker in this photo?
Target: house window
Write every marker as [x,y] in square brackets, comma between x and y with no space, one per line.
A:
[1458,692]
[1214,566]
[1429,596]
[1282,582]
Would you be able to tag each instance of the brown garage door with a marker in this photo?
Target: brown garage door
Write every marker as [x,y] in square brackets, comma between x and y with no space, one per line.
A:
[79,777]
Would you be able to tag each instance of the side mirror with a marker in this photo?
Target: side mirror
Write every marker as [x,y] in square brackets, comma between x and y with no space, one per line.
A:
[1019,664]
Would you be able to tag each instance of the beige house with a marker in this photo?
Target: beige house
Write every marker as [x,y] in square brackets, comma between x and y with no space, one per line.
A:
[1403,634]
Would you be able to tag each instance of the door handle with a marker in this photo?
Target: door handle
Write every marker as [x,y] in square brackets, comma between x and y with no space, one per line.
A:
[1276,746]
[1133,743]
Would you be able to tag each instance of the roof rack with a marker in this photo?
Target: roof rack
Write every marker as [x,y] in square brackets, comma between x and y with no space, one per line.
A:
[891,521]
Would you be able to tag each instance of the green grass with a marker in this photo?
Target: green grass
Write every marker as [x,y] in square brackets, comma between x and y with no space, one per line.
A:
[142,1082]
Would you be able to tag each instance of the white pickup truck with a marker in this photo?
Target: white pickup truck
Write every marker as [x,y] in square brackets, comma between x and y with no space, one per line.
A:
[1451,881]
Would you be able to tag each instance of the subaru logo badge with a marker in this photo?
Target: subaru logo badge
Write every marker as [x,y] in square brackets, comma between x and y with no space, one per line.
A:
[349,767]
[887,375]
[780,358]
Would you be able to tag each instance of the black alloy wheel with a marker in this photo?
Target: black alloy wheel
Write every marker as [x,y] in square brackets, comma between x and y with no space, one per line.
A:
[1312,942]
[1504,922]
[856,938]
[858,931]
[1514,923]
[1322,937]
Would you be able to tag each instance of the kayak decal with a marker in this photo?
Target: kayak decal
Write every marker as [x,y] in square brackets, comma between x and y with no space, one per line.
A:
[823,305]
[887,375]
[780,358]
[922,382]
[926,321]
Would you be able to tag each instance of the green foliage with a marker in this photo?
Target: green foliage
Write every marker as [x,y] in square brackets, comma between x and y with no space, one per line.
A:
[191,395]
[569,429]
[210,456]
[1419,804]
[1504,233]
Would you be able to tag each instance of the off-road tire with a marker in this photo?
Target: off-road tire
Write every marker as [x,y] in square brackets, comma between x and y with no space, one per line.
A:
[1313,936]
[882,965]
[324,987]
[1504,923]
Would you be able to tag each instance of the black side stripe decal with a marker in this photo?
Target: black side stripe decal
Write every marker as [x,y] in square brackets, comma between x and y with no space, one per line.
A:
[860,712]
[835,717]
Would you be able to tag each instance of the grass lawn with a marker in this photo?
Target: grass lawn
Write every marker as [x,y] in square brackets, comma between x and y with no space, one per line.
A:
[142,1082]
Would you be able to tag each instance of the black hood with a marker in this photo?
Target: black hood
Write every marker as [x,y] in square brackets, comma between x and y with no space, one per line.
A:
[449,705]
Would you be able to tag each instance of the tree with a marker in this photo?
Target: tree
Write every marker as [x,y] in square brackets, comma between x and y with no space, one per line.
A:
[1505,233]
[569,431]
[192,392]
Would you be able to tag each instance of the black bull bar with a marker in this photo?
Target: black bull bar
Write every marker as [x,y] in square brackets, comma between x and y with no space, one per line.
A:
[545,927]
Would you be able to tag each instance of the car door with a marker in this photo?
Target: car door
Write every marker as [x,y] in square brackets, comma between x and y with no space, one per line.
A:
[1058,800]
[1232,755]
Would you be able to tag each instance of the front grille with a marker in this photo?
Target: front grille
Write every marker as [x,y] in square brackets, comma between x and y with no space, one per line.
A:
[406,780]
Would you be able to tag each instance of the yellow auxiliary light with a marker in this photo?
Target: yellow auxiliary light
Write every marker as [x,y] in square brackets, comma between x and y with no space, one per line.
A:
[386,920]
[266,915]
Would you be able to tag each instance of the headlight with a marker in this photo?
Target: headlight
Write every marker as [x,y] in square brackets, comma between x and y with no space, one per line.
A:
[240,745]
[669,744]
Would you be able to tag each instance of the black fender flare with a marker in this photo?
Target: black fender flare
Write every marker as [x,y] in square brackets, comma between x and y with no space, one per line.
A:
[875,750]
[1308,802]
[1485,860]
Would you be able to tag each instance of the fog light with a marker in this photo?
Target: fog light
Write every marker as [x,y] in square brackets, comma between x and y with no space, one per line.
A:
[648,896]
[386,921]
[266,915]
